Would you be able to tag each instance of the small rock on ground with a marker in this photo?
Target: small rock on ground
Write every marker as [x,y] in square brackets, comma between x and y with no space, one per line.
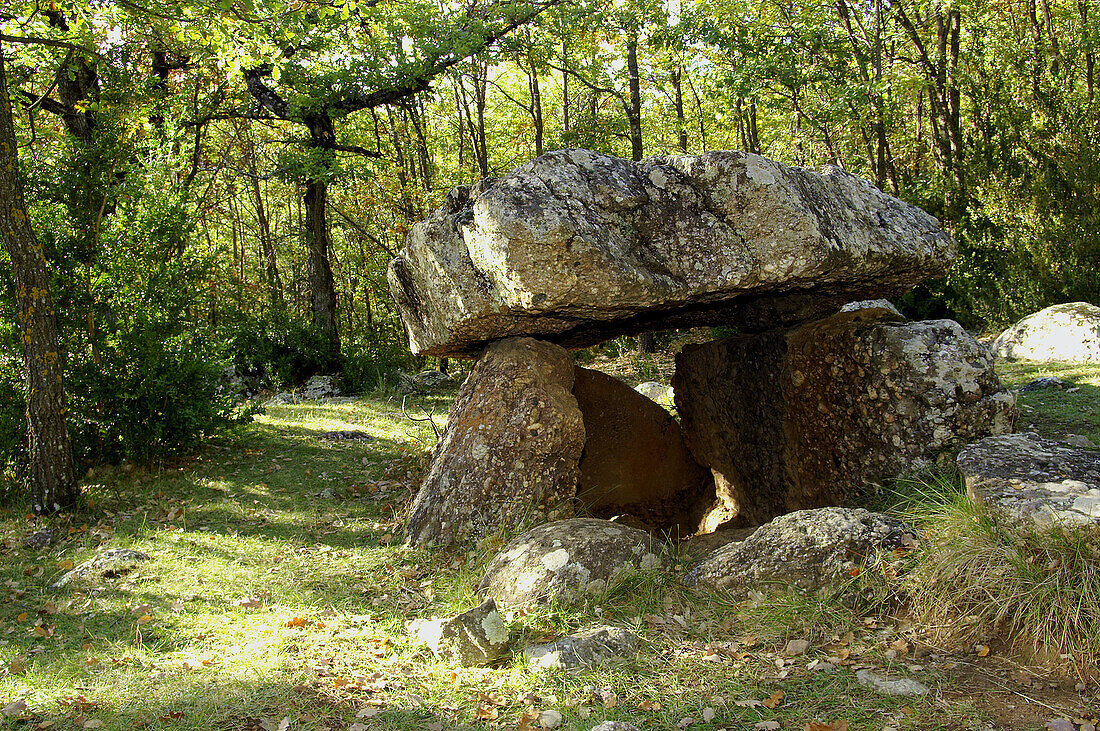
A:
[899,687]
[108,565]
[471,639]
[614,726]
[592,646]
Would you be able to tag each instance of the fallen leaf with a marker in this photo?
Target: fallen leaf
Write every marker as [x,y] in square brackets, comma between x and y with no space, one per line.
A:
[21,617]
[368,712]
[296,622]
[65,565]
[708,714]
[487,713]
[14,708]
[981,650]
[527,718]
[748,703]
[648,705]
[685,722]
[145,619]
[358,727]
[775,699]
[17,665]
[93,723]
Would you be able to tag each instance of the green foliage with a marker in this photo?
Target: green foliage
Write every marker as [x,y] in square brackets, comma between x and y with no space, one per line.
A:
[372,360]
[284,351]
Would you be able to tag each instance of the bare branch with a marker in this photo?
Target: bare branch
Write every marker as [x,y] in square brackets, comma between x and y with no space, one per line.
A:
[427,418]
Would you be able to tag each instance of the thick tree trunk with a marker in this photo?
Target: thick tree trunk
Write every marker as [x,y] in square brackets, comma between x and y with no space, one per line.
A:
[49,450]
[322,288]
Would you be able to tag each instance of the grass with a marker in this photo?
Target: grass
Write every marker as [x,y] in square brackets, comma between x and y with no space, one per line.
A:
[1056,412]
[265,601]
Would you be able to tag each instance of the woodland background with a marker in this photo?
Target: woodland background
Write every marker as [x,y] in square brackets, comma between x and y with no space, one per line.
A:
[222,183]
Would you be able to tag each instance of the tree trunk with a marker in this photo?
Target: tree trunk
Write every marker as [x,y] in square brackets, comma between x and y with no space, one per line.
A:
[49,449]
[322,288]
[634,113]
[536,107]
[678,99]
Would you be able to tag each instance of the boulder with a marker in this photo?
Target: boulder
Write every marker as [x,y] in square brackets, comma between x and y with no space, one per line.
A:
[808,417]
[109,564]
[321,387]
[576,247]
[423,382]
[597,645]
[900,687]
[1069,333]
[635,462]
[472,639]
[565,560]
[1025,478]
[653,391]
[807,549]
[511,451]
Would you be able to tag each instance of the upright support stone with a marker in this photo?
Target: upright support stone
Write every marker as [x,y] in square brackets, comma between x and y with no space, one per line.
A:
[808,417]
[511,450]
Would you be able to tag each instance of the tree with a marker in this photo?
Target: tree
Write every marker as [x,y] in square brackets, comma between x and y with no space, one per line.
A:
[49,449]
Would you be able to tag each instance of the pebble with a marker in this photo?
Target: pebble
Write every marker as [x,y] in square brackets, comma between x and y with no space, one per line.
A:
[899,687]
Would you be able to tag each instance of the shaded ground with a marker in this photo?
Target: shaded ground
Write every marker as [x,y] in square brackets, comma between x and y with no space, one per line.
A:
[278,591]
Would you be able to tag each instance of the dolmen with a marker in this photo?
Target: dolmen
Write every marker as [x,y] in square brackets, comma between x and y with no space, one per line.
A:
[801,406]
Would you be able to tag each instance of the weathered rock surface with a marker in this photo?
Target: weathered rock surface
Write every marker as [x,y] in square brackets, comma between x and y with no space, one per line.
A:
[1023,477]
[471,639]
[807,549]
[1069,332]
[511,450]
[564,560]
[576,247]
[424,382]
[806,417]
[653,391]
[635,461]
[614,726]
[597,645]
[321,387]
[107,564]
[903,687]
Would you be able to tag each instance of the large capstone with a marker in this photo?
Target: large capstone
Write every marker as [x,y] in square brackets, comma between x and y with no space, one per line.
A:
[808,417]
[576,247]
[635,462]
[511,451]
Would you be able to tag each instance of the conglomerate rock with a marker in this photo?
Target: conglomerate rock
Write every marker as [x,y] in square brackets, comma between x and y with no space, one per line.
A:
[807,417]
[576,247]
[511,450]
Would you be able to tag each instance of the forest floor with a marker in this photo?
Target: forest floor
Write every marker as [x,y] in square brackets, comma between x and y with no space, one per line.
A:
[278,596]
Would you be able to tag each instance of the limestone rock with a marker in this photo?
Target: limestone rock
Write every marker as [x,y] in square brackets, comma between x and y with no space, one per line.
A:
[472,639]
[806,417]
[807,549]
[38,540]
[1069,333]
[905,687]
[107,564]
[576,247]
[597,645]
[511,450]
[321,387]
[635,461]
[653,391]
[877,304]
[424,382]
[1023,477]
[567,559]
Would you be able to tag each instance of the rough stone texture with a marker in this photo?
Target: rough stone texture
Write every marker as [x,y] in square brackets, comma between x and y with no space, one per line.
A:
[903,687]
[321,387]
[1023,477]
[878,304]
[471,639]
[576,247]
[424,382]
[635,461]
[38,540]
[807,549]
[614,726]
[511,450]
[807,417]
[567,559]
[108,564]
[653,391]
[1068,333]
[590,646]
